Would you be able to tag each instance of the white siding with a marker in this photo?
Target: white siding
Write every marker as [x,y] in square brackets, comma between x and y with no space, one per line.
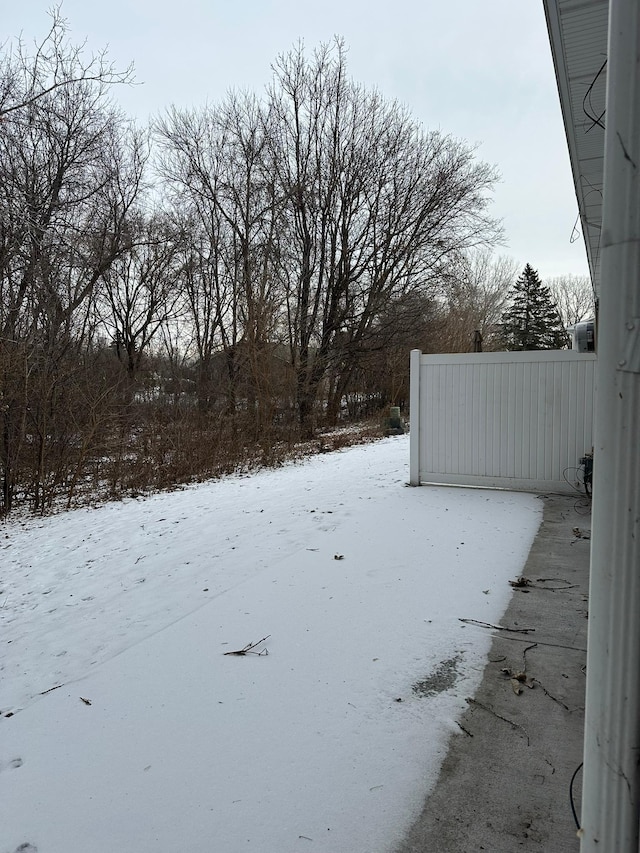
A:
[511,420]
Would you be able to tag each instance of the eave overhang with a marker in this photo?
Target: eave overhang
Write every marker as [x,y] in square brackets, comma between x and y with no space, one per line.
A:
[578,36]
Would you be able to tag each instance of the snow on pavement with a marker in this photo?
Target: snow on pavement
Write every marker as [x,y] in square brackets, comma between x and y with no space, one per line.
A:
[360,583]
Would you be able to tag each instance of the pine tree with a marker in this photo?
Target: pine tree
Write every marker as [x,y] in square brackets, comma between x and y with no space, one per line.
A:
[532,322]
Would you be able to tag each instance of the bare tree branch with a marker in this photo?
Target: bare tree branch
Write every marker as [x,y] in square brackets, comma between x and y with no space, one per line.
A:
[55,64]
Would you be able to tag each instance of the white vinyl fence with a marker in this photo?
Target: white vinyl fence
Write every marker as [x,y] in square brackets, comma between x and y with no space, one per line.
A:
[515,420]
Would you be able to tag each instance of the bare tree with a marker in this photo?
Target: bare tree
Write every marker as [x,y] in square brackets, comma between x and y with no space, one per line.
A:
[141,291]
[54,63]
[379,373]
[573,295]
[476,288]
[375,207]
[202,298]
[214,159]
[69,171]
[192,161]
[319,206]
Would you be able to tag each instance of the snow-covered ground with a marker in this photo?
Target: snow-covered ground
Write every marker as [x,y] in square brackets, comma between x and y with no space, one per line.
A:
[124,726]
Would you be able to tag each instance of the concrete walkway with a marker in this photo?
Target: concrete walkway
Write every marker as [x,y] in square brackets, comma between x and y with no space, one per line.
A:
[504,785]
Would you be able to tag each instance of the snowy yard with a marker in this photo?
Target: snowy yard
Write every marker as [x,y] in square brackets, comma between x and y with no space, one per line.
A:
[126,729]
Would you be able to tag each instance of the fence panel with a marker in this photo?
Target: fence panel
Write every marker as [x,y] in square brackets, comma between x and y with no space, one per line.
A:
[517,420]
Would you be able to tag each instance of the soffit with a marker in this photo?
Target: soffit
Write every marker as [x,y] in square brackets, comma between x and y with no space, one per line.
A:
[578,34]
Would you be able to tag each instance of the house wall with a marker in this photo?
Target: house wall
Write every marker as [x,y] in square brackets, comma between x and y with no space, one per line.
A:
[515,420]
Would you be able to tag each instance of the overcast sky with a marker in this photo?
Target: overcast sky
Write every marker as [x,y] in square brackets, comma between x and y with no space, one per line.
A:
[479,71]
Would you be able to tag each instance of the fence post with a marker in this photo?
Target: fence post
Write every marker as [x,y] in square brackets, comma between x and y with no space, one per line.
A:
[414,418]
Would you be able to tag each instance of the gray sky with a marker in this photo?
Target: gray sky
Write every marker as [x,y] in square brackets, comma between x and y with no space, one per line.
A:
[481,71]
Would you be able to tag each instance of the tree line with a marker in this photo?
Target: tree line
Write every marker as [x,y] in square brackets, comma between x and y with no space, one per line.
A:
[181,299]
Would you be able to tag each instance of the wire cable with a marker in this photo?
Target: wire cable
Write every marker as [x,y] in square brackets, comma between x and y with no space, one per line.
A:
[573,808]
[596,120]
[575,234]
[578,480]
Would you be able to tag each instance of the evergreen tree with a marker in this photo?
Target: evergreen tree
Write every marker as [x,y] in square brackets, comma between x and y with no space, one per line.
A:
[532,322]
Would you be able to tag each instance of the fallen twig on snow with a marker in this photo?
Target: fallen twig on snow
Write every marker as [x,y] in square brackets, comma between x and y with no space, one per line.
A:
[50,690]
[250,649]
